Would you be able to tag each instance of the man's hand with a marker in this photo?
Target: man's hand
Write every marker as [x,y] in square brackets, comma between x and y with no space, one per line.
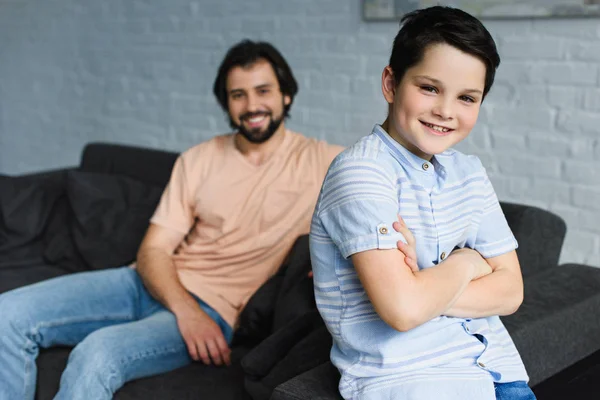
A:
[481,267]
[203,337]
[408,249]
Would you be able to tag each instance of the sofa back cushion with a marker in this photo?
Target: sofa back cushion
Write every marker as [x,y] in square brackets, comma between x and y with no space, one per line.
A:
[148,166]
[540,234]
[106,217]
[26,205]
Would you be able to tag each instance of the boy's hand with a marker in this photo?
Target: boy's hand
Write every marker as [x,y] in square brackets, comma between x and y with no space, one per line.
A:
[408,249]
[481,267]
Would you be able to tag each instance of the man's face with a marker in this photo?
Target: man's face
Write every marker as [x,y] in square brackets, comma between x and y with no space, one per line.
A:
[255,102]
[437,101]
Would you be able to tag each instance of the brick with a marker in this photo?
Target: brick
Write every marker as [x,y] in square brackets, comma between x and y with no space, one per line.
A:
[522,117]
[327,82]
[524,165]
[331,24]
[376,44]
[544,145]
[345,64]
[259,26]
[370,86]
[584,28]
[507,142]
[585,148]
[548,191]
[501,30]
[570,73]
[531,95]
[514,72]
[479,138]
[565,97]
[501,93]
[586,197]
[362,124]
[591,99]
[585,51]
[527,48]
[585,173]
[579,122]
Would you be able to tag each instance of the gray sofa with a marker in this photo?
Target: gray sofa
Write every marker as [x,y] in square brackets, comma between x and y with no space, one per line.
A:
[93,216]
[557,325]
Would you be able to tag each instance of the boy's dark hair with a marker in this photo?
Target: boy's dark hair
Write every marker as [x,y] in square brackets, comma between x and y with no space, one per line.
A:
[245,54]
[438,24]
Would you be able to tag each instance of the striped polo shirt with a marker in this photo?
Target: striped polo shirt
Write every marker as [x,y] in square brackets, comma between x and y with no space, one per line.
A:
[447,202]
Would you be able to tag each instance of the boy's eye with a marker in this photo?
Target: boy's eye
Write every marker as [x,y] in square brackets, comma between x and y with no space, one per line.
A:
[428,88]
[263,91]
[468,99]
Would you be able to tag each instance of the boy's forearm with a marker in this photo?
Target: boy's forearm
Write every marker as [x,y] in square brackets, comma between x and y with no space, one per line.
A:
[499,293]
[439,288]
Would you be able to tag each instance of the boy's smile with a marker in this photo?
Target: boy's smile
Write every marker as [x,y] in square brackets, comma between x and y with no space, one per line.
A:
[437,102]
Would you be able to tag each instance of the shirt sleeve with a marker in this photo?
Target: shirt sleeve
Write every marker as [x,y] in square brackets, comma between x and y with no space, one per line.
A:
[358,205]
[494,236]
[175,209]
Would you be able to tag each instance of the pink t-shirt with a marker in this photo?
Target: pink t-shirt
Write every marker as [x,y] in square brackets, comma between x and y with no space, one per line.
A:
[240,219]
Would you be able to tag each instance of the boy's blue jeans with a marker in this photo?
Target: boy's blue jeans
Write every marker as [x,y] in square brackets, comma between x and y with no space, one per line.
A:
[513,391]
[120,333]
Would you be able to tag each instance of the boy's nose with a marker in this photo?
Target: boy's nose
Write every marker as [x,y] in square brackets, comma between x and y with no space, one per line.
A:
[443,109]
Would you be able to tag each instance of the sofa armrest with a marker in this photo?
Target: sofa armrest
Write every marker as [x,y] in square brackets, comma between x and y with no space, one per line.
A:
[540,234]
[320,383]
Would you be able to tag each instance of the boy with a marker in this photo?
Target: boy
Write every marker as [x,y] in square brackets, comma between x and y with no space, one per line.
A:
[422,322]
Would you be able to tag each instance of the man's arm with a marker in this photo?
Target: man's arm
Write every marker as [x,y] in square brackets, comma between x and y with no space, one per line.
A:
[202,335]
[499,293]
[405,298]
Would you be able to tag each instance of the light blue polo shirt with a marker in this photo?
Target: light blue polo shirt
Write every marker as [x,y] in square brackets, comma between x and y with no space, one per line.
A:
[446,203]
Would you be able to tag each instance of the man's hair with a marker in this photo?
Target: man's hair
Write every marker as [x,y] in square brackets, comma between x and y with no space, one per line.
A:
[423,28]
[245,54]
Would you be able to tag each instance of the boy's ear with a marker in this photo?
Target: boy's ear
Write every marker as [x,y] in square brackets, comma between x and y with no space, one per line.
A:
[388,84]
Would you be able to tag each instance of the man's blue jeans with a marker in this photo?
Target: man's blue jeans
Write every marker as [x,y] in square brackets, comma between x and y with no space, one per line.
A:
[513,391]
[120,333]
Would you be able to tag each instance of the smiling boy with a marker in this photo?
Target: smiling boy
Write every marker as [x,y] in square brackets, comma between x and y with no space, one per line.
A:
[422,322]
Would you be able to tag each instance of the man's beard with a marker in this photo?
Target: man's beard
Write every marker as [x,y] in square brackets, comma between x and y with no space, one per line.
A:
[257,135]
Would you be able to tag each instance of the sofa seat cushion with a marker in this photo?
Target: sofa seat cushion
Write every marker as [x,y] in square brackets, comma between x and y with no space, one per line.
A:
[195,381]
[557,324]
[21,275]
[320,383]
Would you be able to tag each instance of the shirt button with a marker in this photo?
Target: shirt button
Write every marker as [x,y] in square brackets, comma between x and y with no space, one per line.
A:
[383,230]
[443,255]
[425,166]
[482,365]
[467,329]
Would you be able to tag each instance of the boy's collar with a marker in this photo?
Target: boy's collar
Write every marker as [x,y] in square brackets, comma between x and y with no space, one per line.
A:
[405,156]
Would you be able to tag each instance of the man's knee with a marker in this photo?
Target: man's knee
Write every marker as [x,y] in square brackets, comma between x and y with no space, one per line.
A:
[15,310]
[97,358]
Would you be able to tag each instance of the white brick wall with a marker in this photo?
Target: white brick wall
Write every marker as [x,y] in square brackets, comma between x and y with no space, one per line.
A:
[141,71]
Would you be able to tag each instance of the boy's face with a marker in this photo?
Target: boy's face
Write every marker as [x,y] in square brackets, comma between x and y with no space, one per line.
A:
[437,102]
